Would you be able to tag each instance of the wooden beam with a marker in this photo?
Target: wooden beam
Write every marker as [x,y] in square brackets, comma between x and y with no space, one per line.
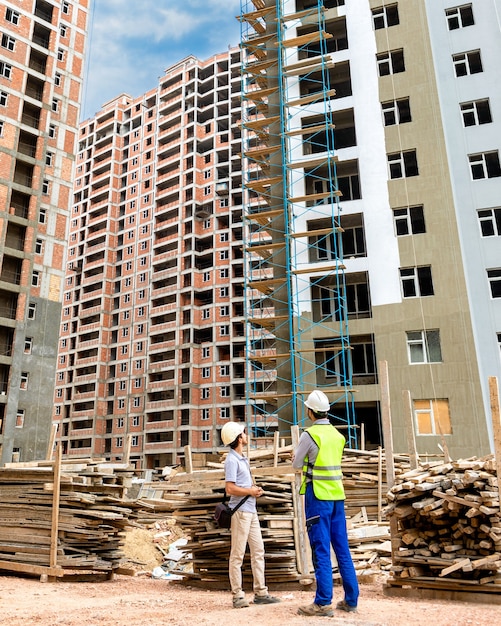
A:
[409,429]
[28,568]
[388,448]
[54,529]
[276,445]
[496,427]
[379,483]
[188,461]
[313,163]
[302,545]
[332,267]
[50,446]
[128,446]
[386,418]
[310,130]
[314,97]
[304,40]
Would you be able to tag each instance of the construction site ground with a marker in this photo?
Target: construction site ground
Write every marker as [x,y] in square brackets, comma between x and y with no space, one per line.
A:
[144,601]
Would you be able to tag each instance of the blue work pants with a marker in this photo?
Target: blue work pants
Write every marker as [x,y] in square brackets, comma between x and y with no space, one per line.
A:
[326,526]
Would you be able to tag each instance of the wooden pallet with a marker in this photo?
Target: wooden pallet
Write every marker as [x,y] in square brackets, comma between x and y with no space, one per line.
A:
[435,589]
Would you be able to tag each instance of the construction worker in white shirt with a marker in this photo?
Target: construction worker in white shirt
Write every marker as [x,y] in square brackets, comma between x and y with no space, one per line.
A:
[245,527]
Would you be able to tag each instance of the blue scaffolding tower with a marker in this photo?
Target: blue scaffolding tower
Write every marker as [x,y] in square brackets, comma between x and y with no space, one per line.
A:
[296,314]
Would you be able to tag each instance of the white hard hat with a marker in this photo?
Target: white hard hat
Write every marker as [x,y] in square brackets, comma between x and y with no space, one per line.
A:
[230,432]
[317,401]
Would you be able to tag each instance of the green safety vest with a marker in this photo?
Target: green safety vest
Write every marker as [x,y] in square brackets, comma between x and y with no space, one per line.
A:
[325,473]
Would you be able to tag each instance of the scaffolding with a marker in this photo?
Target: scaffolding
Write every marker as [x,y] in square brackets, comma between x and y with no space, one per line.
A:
[297,323]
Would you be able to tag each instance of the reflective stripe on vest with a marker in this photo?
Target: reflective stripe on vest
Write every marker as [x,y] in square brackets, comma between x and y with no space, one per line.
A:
[325,474]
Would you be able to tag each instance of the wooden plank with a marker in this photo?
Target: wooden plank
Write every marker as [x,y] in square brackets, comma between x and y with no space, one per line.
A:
[306,39]
[454,567]
[440,594]
[463,501]
[409,429]
[50,445]
[496,427]
[379,483]
[188,461]
[314,97]
[55,507]
[386,418]
[31,569]
[276,445]
[388,444]
[128,447]
[305,566]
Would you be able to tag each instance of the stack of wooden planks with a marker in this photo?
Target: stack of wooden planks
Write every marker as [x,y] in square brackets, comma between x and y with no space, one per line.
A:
[72,519]
[192,497]
[447,523]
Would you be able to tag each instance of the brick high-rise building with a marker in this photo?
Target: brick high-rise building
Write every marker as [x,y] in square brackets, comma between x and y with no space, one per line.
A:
[41,66]
[174,243]
[152,336]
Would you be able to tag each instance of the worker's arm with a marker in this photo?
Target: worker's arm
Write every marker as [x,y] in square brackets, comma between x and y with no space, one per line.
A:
[232,489]
[306,449]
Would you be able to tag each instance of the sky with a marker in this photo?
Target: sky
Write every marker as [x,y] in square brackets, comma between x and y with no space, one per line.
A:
[132,42]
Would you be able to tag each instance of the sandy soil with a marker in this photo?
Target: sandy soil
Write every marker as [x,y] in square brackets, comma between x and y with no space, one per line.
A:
[143,601]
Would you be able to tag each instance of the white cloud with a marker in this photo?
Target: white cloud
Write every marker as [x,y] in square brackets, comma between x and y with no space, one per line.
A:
[131,43]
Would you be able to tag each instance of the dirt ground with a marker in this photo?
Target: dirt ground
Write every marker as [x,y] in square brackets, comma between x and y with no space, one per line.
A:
[144,601]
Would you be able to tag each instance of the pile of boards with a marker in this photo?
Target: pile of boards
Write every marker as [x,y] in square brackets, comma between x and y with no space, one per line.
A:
[81,529]
[192,497]
[446,526]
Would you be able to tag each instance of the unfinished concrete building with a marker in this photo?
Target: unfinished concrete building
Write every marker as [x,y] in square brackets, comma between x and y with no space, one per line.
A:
[41,67]
[357,223]
[152,348]
[372,183]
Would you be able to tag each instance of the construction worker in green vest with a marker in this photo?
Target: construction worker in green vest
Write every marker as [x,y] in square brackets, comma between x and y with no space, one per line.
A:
[318,455]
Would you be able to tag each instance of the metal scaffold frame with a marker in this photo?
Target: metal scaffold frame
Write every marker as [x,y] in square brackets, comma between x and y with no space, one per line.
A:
[297,329]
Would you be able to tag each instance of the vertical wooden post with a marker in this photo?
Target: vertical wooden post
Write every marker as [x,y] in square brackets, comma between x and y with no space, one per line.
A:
[386,415]
[276,440]
[128,446]
[50,446]
[303,552]
[496,428]
[388,448]
[188,461]
[409,429]
[54,530]
[379,482]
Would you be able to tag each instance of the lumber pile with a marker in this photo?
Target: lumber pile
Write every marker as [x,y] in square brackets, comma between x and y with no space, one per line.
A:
[447,524]
[192,497]
[72,519]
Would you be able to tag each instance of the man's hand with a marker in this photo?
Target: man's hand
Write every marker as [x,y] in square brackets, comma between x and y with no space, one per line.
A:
[256,491]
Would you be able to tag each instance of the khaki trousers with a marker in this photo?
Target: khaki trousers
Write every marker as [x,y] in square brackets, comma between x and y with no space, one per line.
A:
[245,529]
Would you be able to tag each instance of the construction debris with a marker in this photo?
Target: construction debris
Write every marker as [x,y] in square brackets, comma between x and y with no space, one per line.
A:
[447,525]
[59,517]
[74,516]
[192,497]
